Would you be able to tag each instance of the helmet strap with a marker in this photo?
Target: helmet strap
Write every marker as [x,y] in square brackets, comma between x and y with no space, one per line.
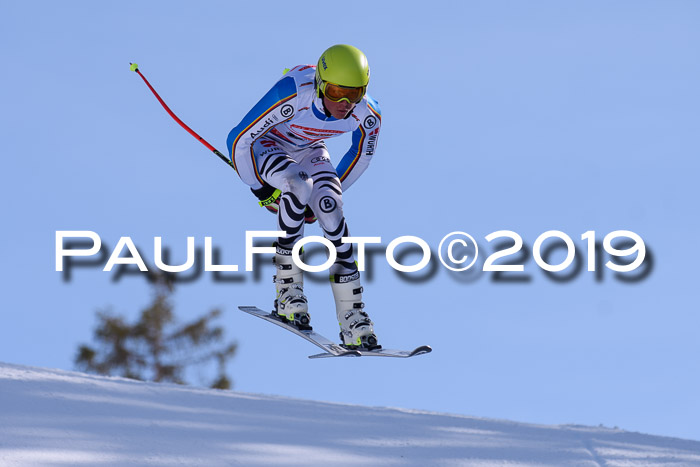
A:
[322,106]
[325,110]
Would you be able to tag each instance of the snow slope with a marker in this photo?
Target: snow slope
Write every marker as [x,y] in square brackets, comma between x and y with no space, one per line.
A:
[52,417]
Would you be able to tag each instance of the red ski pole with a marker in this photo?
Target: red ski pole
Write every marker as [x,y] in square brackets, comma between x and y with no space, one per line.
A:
[135,67]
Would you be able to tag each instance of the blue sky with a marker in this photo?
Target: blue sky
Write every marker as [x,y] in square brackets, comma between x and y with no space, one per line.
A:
[522,116]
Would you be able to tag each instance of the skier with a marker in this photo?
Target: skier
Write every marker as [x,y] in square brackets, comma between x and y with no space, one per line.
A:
[278,149]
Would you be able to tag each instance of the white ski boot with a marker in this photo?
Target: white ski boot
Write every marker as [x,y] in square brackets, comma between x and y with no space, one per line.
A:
[290,302]
[356,329]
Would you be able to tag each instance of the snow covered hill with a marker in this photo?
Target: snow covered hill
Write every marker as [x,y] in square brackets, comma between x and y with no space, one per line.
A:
[52,417]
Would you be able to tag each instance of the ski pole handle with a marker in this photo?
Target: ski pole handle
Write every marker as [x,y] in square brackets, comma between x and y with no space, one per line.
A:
[135,67]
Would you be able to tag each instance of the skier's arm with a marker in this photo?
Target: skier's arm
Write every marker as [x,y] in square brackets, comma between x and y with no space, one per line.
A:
[364,144]
[274,108]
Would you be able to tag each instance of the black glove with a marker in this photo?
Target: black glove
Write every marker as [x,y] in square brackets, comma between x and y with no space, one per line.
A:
[268,196]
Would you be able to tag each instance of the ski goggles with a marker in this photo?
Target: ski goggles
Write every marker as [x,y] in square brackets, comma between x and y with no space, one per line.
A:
[337,93]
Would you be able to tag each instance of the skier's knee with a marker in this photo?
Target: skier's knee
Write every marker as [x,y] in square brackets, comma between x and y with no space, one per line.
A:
[328,207]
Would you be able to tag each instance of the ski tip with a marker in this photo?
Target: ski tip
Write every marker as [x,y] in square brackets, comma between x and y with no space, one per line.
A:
[133,66]
[421,350]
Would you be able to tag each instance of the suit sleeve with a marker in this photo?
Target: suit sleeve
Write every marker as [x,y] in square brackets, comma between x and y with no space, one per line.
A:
[364,144]
[277,106]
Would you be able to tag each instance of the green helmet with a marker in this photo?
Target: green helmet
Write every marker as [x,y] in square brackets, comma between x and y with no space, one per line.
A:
[343,65]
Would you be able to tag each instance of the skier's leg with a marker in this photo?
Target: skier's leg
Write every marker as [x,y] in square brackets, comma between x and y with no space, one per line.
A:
[356,329]
[279,169]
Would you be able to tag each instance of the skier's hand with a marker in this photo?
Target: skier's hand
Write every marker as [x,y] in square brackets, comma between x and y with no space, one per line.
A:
[309,216]
[269,197]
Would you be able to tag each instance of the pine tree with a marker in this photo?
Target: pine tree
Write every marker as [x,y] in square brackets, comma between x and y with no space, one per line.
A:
[156,347]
